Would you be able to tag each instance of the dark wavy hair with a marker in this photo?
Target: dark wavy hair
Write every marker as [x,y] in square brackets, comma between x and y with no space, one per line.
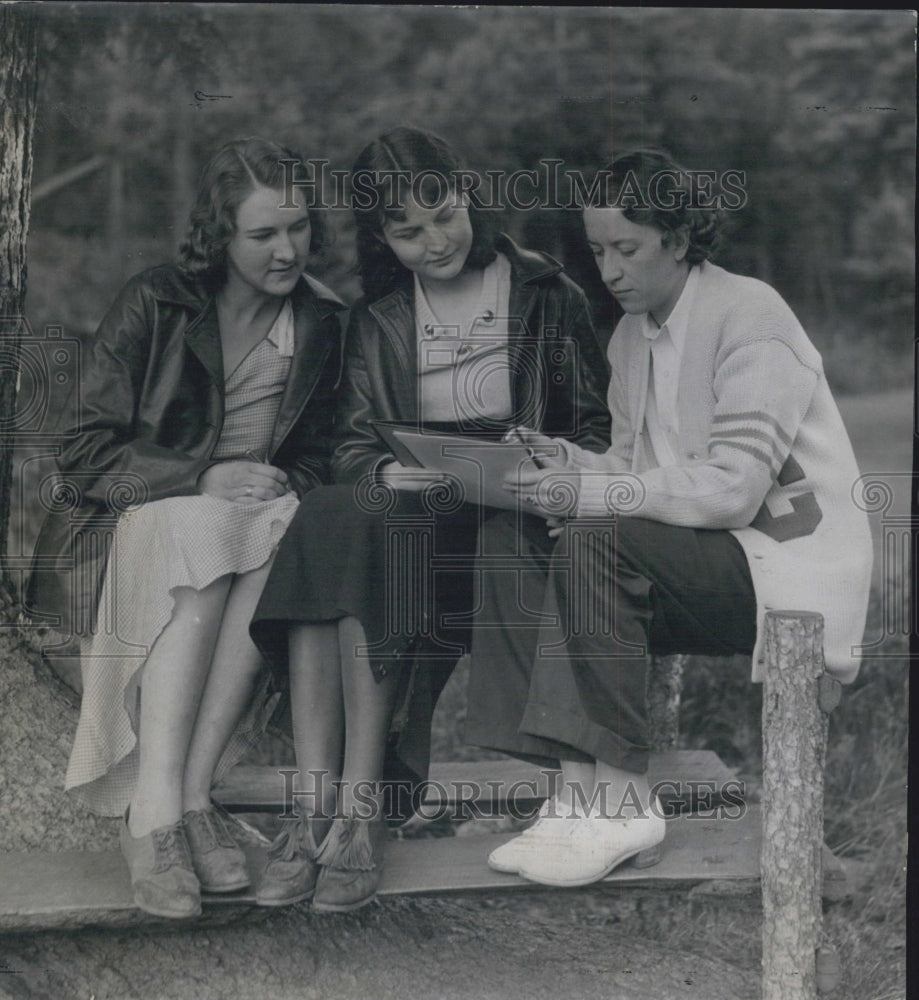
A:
[229,177]
[633,173]
[379,196]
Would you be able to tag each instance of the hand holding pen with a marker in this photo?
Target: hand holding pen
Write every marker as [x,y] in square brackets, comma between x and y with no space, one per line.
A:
[547,458]
[549,454]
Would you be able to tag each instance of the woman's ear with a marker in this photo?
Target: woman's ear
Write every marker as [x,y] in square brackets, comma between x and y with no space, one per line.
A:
[679,241]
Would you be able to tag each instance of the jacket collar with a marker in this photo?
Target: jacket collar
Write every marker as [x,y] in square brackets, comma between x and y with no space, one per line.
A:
[312,303]
[528,267]
[395,312]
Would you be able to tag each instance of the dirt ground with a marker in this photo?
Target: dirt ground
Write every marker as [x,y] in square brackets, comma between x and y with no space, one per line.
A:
[400,949]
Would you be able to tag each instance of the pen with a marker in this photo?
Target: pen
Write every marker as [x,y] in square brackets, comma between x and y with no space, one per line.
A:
[514,435]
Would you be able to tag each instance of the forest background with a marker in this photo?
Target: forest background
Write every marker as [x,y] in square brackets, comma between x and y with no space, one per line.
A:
[817,108]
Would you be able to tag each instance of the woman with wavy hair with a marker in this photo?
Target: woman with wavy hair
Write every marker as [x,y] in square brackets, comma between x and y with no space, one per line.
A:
[207,395]
[460,331]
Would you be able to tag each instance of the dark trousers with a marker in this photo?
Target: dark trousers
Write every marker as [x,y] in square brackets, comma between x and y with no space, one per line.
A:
[563,628]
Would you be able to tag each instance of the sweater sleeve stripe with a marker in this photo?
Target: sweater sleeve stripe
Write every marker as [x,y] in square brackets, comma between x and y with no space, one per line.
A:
[750,432]
[757,453]
[751,437]
[757,416]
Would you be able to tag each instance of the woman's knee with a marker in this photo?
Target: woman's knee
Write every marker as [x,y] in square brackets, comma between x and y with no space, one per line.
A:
[201,608]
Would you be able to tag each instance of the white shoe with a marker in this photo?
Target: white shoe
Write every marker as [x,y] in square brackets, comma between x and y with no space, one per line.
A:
[550,827]
[591,848]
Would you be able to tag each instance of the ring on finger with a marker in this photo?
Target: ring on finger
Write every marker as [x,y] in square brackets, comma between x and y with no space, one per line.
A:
[248,491]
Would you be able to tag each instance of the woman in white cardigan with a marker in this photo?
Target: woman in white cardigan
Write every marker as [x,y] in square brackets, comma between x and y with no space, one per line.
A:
[726,490]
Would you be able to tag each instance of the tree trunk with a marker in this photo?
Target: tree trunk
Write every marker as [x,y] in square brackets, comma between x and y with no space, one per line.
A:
[18,80]
[794,748]
[664,687]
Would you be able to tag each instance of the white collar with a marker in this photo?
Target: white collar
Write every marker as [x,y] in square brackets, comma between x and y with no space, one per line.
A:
[677,322]
[281,333]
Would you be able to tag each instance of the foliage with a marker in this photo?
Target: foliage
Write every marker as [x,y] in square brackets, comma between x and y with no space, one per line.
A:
[816,107]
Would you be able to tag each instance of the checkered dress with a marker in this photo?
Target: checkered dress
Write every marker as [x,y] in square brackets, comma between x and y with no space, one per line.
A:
[187,541]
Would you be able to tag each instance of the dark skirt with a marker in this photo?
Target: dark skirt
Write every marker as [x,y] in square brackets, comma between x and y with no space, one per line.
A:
[399,562]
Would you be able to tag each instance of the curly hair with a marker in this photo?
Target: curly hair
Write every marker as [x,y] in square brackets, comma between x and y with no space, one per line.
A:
[229,177]
[379,197]
[637,189]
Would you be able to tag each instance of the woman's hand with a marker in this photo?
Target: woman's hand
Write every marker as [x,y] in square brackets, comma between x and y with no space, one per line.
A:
[414,480]
[556,526]
[540,485]
[549,493]
[545,452]
[244,482]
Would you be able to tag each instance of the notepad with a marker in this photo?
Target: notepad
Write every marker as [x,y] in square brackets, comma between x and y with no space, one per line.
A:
[479,466]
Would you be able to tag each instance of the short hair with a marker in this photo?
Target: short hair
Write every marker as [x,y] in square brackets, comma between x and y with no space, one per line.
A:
[228,178]
[632,173]
[415,152]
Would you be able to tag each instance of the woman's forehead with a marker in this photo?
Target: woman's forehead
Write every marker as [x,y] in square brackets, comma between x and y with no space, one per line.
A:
[420,209]
[265,206]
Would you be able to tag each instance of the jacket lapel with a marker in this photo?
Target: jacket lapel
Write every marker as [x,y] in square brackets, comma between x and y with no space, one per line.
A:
[311,351]
[396,315]
[203,339]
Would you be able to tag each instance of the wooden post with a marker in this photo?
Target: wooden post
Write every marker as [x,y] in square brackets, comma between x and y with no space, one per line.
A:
[794,750]
[663,690]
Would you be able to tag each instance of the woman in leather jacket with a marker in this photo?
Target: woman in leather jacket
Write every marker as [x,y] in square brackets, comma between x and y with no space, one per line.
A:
[205,412]
[368,602]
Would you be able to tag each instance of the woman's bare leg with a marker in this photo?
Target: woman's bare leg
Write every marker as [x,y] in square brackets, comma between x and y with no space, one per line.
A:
[368,712]
[173,680]
[318,714]
[234,667]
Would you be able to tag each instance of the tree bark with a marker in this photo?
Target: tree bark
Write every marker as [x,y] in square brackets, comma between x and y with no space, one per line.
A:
[794,750]
[18,85]
[663,690]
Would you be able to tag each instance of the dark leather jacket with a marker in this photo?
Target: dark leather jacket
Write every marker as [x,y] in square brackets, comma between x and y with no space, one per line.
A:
[559,372]
[151,410]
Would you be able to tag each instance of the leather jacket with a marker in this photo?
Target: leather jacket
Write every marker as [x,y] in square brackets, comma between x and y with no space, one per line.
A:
[559,371]
[150,413]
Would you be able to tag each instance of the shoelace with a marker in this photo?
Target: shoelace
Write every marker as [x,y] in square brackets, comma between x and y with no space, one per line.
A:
[210,828]
[171,848]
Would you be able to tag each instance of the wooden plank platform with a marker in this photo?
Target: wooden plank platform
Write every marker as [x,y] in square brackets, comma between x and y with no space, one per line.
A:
[81,889]
[691,777]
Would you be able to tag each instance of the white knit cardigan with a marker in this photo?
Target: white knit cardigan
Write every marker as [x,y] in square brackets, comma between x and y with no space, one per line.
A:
[763,453]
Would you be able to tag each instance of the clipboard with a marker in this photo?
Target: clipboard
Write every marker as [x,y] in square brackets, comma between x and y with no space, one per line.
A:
[385,430]
[480,466]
